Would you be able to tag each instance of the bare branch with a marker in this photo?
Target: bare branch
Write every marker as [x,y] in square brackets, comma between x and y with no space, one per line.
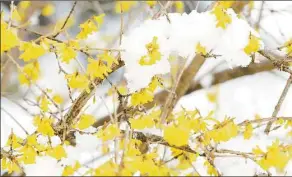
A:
[69,15]
[219,78]
[183,85]
[11,116]
[279,104]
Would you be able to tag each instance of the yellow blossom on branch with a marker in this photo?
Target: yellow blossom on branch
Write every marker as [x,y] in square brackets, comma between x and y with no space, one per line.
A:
[70,170]
[85,121]
[44,126]
[96,68]
[253,45]
[57,152]
[153,53]
[248,131]
[78,81]
[30,73]
[179,6]
[9,36]
[66,52]
[31,51]
[109,133]
[171,135]
[223,19]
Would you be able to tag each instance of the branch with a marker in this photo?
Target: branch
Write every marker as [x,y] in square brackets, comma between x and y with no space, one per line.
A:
[183,85]
[13,118]
[150,138]
[279,63]
[69,15]
[279,104]
[219,78]
[80,102]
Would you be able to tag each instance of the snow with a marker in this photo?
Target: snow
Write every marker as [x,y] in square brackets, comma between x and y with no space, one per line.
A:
[181,35]
[44,166]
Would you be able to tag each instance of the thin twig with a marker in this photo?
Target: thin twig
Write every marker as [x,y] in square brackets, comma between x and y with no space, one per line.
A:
[276,62]
[257,25]
[28,78]
[64,24]
[11,116]
[279,104]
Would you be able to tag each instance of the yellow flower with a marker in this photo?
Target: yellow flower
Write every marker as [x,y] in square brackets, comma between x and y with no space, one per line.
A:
[29,154]
[15,15]
[14,141]
[57,152]
[257,151]
[225,4]
[145,95]
[67,52]
[223,19]
[58,99]
[70,170]
[201,49]
[99,19]
[96,68]
[31,51]
[153,53]
[179,5]
[11,166]
[253,45]
[24,4]
[44,126]
[9,38]
[145,121]
[225,132]
[106,169]
[142,97]
[78,81]
[108,58]
[288,46]
[248,131]
[277,156]
[109,133]
[210,169]
[171,135]
[31,140]
[30,73]
[44,104]
[85,121]
[151,3]
[48,10]
[87,28]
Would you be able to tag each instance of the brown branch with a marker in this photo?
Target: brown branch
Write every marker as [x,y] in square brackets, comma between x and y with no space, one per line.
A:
[183,85]
[151,138]
[219,78]
[15,120]
[279,104]
[80,102]
[281,64]
[269,119]
[230,74]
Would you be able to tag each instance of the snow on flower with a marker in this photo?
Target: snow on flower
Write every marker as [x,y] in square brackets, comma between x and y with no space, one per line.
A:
[181,35]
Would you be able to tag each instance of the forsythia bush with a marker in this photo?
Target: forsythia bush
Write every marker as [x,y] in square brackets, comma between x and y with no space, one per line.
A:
[136,140]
